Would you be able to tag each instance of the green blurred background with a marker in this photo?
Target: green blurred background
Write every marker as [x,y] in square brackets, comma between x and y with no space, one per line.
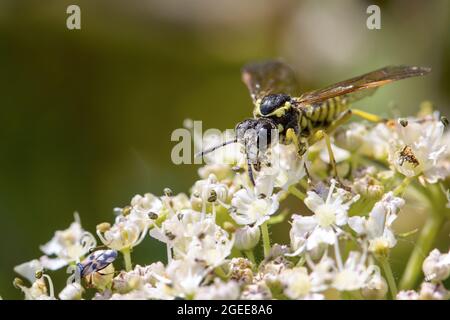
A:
[86,115]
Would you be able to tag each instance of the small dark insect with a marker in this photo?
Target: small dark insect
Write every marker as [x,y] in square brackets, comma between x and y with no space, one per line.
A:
[95,262]
[297,118]
[407,155]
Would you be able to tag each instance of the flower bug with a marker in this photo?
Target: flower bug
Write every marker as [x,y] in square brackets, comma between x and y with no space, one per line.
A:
[94,263]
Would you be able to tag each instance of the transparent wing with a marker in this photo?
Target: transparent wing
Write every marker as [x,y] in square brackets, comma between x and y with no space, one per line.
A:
[267,77]
[371,80]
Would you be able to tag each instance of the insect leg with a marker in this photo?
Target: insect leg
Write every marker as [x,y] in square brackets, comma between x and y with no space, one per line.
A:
[317,136]
[250,171]
[291,136]
[331,155]
[367,116]
[309,181]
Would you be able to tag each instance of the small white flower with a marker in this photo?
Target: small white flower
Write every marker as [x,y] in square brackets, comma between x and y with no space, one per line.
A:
[256,291]
[407,295]
[298,284]
[322,273]
[138,277]
[352,138]
[376,142]
[208,191]
[419,149]
[433,291]
[185,277]
[436,267]
[324,226]
[255,206]
[211,248]
[124,234]
[219,290]
[247,237]
[146,206]
[288,168]
[178,230]
[28,269]
[377,227]
[73,291]
[37,291]
[67,246]
[375,288]
[354,275]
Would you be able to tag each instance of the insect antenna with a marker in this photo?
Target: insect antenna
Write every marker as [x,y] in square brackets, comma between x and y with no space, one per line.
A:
[250,171]
[202,153]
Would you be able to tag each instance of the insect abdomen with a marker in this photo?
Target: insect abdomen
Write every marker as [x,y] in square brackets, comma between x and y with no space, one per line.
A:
[321,115]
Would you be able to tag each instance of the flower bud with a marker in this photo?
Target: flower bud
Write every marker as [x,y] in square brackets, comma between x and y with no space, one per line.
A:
[433,291]
[407,295]
[436,266]
[103,227]
[168,192]
[229,227]
[72,291]
[369,187]
[247,237]
[17,283]
[375,289]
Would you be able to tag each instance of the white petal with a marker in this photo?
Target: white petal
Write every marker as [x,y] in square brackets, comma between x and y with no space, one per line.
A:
[52,263]
[375,223]
[313,201]
[319,236]
[302,224]
[28,269]
[358,224]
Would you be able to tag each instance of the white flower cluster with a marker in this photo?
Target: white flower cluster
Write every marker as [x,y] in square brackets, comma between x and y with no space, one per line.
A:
[218,241]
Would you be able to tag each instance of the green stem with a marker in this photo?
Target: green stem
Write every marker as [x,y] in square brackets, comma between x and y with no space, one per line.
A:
[127,258]
[295,192]
[402,187]
[423,246]
[266,239]
[250,256]
[219,272]
[427,236]
[389,277]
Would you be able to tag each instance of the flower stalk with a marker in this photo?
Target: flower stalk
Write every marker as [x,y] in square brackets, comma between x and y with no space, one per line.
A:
[389,276]
[266,239]
[126,252]
[427,236]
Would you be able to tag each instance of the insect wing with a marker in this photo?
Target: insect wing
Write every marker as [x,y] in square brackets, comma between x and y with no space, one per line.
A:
[97,261]
[107,257]
[269,77]
[369,80]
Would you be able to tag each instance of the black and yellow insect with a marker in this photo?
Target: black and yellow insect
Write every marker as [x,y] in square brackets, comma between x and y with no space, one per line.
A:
[306,118]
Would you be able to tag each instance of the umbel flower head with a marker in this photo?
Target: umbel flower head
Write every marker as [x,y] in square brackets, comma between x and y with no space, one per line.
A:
[220,241]
[324,226]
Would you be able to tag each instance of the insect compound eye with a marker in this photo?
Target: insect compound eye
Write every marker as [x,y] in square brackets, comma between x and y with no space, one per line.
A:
[272,102]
